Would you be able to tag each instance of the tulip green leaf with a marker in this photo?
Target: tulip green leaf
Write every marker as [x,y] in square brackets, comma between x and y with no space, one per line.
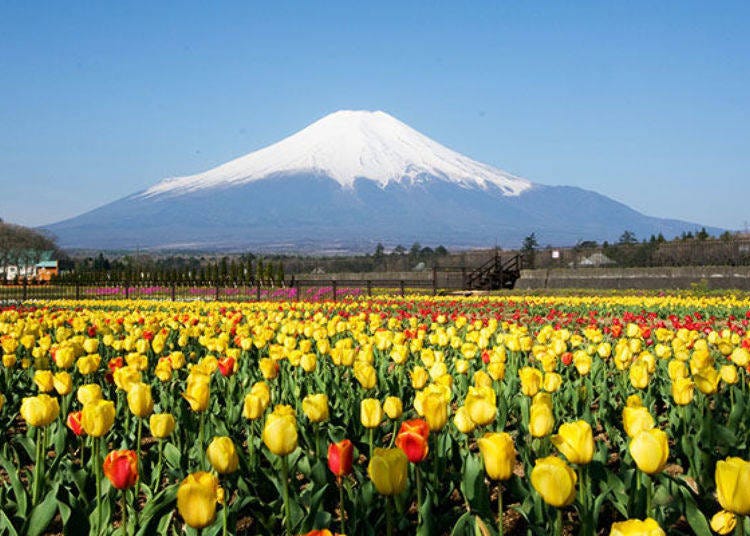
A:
[42,513]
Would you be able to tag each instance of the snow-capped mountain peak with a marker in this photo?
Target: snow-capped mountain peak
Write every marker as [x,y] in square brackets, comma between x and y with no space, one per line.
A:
[347,145]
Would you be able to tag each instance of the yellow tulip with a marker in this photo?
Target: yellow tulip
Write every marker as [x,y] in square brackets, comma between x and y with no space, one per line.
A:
[732,490]
[555,481]
[463,421]
[315,407]
[39,410]
[88,393]
[140,401]
[551,382]
[63,383]
[262,391]
[97,417]
[268,368]
[462,366]
[419,377]
[222,455]
[707,380]
[197,392]
[639,376]
[88,364]
[393,407]
[499,455]
[650,450]
[683,390]
[636,527]
[541,420]
[388,470]
[582,362]
[161,424]
[677,369]
[481,403]
[370,412]
[723,522]
[197,497]
[531,380]
[365,374]
[740,357]
[635,420]
[482,379]
[308,362]
[280,431]
[253,407]
[729,374]
[435,411]
[126,377]
[575,440]
[496,370]
[44,380]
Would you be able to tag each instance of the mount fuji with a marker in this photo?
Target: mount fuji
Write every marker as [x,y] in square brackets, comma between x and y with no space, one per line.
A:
[346,182]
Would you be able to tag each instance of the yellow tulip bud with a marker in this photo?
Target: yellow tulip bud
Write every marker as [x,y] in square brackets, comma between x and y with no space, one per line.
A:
[419,377]
[197,392]
[222,455]
[555,481]
[462,421]
[683,390]
[365,374]
[39,410]
[268,368]
[541,419]
[161,424]
[63,383]
[88,364]
[88,393]
[262,391]
[370,412]
[44,380]
[482,379]
[126,377]
[636,527]
[197,497]
[393,407]
[639,376]
[435,410]
[732,491]
[575,440]
[496,370]
[97,417]
[308,362]
[707,380]
[280,431]
[499,455]
[729,374]
[481,403]
[551,382]
[723,522]
[388,471]
[531,380]
[140,401]
[635,420]
[650,450]
[253,407]
[315,407]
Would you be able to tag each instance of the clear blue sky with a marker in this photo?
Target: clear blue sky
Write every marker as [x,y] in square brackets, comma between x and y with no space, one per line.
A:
[646,102]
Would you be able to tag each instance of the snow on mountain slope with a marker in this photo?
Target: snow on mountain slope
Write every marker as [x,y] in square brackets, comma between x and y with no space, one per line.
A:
[347,145]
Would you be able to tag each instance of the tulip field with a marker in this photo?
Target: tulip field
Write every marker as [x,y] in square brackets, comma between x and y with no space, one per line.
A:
[621,415]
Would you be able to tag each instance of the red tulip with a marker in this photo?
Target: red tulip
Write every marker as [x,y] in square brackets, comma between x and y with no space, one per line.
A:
[340,457]
[74,423]
[226,366]
[121,467]
[412,439]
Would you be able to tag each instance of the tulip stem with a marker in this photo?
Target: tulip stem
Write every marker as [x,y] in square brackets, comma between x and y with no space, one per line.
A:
[740,529]
[499,508]
[370,440]
[202,455]
[224,520]
[558,522]
[389,515]
[341,505]
[649,493]
[251,444]
[419,494]
[124,506]
[37,468]
[287,505]
[159,463]
[98,473]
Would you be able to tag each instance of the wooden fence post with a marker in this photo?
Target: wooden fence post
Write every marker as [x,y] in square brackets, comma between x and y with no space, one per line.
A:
[401,284]
[369,288]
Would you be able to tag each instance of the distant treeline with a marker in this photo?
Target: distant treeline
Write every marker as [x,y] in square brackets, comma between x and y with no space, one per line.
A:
[248,267]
